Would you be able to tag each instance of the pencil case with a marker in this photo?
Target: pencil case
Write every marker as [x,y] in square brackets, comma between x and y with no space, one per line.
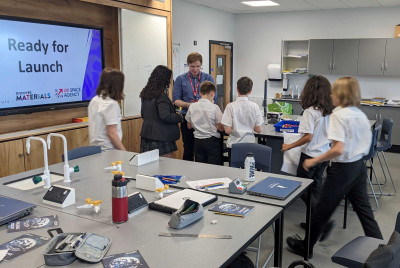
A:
[65,248]
[188,213]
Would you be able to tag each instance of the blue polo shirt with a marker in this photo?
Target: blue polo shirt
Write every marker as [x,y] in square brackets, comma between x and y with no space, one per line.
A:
[183,89]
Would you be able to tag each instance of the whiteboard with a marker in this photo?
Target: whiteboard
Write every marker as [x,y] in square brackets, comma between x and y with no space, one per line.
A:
[176,60]
[143,41]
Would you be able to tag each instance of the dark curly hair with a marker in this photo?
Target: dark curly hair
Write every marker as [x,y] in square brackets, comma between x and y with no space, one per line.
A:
[157,84]
[317,94]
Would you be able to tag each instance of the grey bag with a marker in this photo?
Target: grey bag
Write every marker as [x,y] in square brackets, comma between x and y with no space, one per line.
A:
[65,248]
[188,213]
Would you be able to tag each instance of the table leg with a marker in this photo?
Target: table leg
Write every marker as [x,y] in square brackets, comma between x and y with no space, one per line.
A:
[308,225]
[278,241]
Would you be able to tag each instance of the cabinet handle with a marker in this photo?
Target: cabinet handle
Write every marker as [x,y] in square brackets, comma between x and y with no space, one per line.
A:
[382,66]
[385,65]
[334,66]
[330,66]
[21,155]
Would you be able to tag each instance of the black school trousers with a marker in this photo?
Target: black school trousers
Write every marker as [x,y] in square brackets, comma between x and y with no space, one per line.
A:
[208,150]
[316,173]
[188,140]
[348,179]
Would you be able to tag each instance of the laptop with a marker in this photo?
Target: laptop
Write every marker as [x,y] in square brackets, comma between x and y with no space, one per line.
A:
[12,209]
[273,187]
[173,202]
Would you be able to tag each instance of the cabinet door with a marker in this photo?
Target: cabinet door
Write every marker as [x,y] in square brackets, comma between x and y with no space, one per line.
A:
[135,127]
[125,134]
[36,159]
[320,56]
[345,56]
[77,137]
[371,55]
[392,59]
[11,158]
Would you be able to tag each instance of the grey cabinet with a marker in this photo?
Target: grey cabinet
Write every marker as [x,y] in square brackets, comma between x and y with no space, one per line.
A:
[345,56]
[371,56]
[320,56]
[392,58]
[339,56]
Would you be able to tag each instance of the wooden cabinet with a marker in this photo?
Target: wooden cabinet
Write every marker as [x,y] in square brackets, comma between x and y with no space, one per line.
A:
[77,137]
[125,134]
[392,57]
[339,56]
[371,56]
[135,126]
[11,157]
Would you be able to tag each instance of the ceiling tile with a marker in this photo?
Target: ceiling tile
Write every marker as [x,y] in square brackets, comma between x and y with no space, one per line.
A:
[361,3]
[327,4]
[387,3]
[296,4]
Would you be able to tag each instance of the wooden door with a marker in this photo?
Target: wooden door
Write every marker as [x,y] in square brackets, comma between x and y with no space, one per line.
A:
[11,158]
[35,159]
[221,67]
[77,137]
[125,134]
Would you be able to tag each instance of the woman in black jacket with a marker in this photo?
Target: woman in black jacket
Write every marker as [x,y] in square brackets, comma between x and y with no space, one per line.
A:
[160,128]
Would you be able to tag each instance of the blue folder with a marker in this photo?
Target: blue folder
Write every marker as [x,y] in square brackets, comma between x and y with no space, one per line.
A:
[273,187]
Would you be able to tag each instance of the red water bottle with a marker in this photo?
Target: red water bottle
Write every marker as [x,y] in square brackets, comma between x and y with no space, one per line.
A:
[119,199]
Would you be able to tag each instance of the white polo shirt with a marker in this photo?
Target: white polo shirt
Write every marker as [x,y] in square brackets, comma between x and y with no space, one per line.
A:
[102,113]
[312,122]
[242,116]
[350,126]
[204,117]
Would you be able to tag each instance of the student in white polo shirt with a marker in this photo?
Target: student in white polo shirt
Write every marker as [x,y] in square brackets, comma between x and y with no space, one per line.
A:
[104,111]
[317,104]
[242,117]
[205,118]
[350,133]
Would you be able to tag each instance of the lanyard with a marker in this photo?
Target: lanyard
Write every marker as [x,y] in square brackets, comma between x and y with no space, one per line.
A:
[197,86]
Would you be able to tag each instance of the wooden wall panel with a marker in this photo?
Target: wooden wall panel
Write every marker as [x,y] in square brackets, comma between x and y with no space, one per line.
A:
[11,158]
[70,11]
[125,134]
[166,5]
[135,126]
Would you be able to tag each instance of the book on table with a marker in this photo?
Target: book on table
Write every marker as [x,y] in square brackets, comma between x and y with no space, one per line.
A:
[274,187]
[231,209]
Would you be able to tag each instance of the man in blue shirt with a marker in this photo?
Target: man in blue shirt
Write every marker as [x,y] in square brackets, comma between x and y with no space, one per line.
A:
[187,91]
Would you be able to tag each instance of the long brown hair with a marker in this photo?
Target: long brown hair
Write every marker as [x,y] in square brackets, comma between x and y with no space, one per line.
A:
[111,84]
[317,94]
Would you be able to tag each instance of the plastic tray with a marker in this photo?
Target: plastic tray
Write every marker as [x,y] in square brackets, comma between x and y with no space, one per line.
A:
[279,127]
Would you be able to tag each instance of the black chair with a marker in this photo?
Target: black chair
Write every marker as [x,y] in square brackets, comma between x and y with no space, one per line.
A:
[262,155]
[355,253]
[82,152]
[384,143]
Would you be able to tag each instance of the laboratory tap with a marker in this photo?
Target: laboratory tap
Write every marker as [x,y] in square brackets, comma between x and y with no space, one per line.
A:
[67,169]
[46,172]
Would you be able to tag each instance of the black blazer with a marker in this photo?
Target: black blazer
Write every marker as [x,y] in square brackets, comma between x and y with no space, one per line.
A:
[160,121]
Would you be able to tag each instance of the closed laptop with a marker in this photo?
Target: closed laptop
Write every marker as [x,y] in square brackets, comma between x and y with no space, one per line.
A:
[12,209]
[273,187]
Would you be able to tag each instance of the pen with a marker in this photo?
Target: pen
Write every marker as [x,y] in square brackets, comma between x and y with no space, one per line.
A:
[222,213]
[212,185]
[168,179]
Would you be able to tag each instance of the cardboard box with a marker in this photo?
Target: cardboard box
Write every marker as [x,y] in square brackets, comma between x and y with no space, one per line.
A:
[397,31]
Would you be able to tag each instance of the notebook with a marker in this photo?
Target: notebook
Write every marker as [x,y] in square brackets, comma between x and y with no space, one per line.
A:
[274,188]
[173,202]
[12,209]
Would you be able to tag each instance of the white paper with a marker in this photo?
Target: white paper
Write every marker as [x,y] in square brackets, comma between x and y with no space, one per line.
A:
[220,79]
[291,158]
[3,253]
[199,183]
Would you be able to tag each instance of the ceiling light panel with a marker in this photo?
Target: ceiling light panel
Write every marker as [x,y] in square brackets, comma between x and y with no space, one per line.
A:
[260,3]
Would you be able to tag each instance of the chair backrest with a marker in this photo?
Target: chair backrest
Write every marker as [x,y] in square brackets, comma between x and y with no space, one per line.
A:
[374,142]
[262,155]
[301,263]
[397,226]
[386,133]
[82,151]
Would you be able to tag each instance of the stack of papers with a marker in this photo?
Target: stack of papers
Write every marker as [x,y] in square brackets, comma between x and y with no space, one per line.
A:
[215,183]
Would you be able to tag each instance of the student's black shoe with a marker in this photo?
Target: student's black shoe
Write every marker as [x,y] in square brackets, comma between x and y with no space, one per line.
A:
[327,230]
[303,225]
[296,246]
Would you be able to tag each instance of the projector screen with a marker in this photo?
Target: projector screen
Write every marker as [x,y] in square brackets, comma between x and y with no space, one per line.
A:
[47,66]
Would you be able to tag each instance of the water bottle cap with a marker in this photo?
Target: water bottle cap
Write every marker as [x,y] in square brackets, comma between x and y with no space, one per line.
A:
[250,154]
[118,181]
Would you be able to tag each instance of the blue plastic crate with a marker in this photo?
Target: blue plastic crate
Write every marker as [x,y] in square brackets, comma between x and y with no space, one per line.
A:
[293,129]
